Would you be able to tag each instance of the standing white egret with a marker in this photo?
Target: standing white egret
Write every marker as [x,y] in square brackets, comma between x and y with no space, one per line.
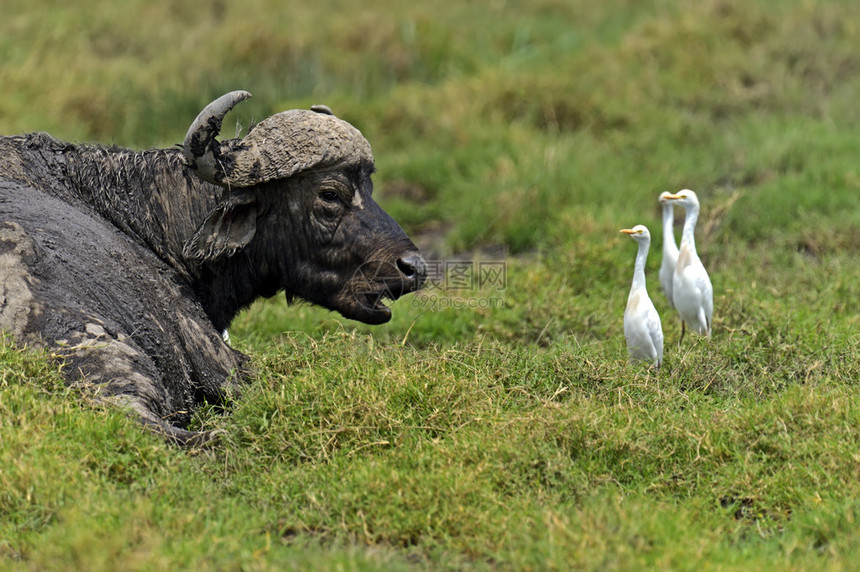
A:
[692,292]
[670,249]
[642,327]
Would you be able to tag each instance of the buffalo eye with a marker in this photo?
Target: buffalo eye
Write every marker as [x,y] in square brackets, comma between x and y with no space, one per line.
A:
[329,206]
[330,197]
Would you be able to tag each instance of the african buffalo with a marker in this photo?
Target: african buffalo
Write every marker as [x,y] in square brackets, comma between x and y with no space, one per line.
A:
[130,264]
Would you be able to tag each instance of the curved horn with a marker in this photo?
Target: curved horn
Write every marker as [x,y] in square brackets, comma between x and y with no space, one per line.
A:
[200,148]
[276,148]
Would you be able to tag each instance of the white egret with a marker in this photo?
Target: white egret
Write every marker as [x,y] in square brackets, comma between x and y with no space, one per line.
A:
[642,327]
[670,249]
[692,292]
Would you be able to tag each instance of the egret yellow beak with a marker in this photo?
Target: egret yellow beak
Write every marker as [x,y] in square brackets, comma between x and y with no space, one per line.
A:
[672,197]
[630,231]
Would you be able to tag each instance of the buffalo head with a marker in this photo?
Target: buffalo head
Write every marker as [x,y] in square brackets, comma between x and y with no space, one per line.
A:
[298,214]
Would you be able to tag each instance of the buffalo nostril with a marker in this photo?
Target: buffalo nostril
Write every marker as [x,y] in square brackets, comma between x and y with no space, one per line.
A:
[413,266]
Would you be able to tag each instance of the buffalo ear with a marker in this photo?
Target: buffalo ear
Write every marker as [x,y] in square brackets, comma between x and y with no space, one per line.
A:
[229,227]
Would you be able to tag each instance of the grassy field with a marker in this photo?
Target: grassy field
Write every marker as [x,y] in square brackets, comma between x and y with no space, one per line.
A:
[498,425]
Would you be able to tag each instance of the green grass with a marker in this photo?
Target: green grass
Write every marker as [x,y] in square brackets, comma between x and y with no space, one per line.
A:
[512,435]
